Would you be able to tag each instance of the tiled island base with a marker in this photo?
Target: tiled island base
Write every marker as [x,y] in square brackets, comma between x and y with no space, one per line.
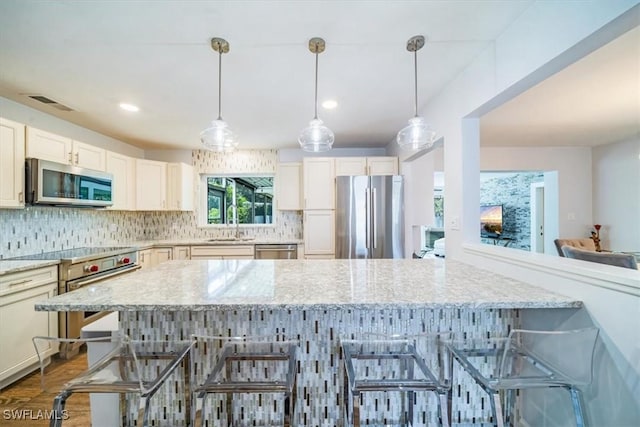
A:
[320,379]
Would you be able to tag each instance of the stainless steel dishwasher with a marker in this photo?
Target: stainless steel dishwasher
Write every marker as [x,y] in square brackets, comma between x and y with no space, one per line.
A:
[276,251]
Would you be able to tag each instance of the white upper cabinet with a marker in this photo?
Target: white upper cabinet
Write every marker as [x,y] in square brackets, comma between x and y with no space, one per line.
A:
[383,165]
[180,187]
[49,146]
[123,169]
[151,185]
[89,156]
[351,166]
[11,164]
[288,187]
[319,182]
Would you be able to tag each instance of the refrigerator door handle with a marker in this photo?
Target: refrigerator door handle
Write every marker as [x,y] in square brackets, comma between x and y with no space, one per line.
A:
[374,220]
[367,222]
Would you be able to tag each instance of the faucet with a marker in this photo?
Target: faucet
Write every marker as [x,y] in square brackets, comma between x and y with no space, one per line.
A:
[235,219]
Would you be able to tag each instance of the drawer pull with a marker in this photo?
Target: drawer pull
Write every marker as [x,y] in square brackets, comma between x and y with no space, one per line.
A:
[21,282]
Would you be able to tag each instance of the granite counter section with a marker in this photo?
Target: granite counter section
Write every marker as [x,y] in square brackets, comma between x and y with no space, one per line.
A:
[308,284]
[11,266]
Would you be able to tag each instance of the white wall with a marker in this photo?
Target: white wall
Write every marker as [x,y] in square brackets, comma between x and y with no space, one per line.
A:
[170,156]
[616,194]
[573,165]
[27,115]
[296,155]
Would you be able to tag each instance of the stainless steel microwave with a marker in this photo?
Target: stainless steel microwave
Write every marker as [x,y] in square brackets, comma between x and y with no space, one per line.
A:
[50,183]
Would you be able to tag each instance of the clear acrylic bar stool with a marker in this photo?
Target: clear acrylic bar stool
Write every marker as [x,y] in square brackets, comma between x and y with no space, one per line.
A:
[396,363]
[229,366]
[529,359]
[137,367]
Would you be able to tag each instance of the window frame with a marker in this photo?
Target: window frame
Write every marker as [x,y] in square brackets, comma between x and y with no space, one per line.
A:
[203,194]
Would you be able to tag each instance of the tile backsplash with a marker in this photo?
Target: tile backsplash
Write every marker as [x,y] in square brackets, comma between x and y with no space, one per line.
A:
[38,229]
[43,229]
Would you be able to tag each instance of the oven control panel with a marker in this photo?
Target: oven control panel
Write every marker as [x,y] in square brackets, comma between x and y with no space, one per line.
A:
[100,265]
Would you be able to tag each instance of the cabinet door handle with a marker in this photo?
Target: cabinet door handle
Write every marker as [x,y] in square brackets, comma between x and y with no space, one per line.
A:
[20,282]
[70,157]
[20,197]
[77,158]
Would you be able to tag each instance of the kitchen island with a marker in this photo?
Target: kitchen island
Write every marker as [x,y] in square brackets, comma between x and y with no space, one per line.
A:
[315,302]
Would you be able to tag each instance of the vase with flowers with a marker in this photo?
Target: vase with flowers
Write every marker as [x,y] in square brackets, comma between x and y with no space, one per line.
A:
[595,236]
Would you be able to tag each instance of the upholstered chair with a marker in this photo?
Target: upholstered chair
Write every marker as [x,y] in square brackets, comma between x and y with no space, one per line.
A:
[586,244]
[616,259]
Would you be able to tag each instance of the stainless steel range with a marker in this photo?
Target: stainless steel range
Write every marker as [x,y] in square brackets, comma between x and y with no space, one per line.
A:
[82,267]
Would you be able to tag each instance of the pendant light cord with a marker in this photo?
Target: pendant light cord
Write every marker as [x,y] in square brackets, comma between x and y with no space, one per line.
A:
[415,75]
[315,116]
[220,84]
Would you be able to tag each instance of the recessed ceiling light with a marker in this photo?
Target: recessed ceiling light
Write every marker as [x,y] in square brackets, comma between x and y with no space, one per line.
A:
[129,107]
[329,104]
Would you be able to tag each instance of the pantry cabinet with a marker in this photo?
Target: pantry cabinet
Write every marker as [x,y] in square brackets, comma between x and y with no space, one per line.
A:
[18,294]
[288,187]
[151,185]
[12,157]
[381,165]
[49,146]
[123,169]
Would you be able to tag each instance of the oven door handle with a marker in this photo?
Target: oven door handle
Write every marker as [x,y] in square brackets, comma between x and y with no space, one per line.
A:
[77,285]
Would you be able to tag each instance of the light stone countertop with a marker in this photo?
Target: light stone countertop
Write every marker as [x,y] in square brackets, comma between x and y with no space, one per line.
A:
[14,266]
[306,284]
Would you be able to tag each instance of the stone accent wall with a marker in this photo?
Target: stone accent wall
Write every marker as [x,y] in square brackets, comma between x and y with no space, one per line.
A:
[513,191]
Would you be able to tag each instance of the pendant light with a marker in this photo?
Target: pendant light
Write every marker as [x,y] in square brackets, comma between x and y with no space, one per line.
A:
[316,137]
[219,137]
[418,135]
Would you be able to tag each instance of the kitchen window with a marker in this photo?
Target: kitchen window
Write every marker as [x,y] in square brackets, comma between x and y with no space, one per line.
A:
[250,198]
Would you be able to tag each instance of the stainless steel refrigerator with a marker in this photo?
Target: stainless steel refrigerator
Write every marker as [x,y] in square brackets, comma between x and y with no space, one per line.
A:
[369,217]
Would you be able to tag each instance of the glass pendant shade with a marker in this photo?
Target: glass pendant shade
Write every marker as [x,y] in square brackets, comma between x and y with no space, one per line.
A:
[316,137]
[417,135]
[218,137]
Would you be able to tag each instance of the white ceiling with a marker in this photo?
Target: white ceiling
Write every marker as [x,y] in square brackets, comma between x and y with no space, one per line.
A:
[592,102]
[92,55]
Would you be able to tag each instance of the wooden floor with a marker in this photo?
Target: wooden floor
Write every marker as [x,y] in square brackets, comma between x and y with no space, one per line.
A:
[25,404]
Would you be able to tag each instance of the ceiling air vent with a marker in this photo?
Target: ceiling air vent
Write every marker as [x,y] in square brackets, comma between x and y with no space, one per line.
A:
[50,102]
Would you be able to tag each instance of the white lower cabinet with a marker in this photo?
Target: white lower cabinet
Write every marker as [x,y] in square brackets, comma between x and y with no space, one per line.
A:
[145,258]
[222,252]
[162,254]
[19,322]
[182,252]
[319,233]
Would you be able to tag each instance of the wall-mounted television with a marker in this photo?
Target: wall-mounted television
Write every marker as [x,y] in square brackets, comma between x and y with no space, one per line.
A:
[491,220]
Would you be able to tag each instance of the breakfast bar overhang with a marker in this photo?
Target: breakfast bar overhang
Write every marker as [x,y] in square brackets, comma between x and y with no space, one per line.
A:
[316,302]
